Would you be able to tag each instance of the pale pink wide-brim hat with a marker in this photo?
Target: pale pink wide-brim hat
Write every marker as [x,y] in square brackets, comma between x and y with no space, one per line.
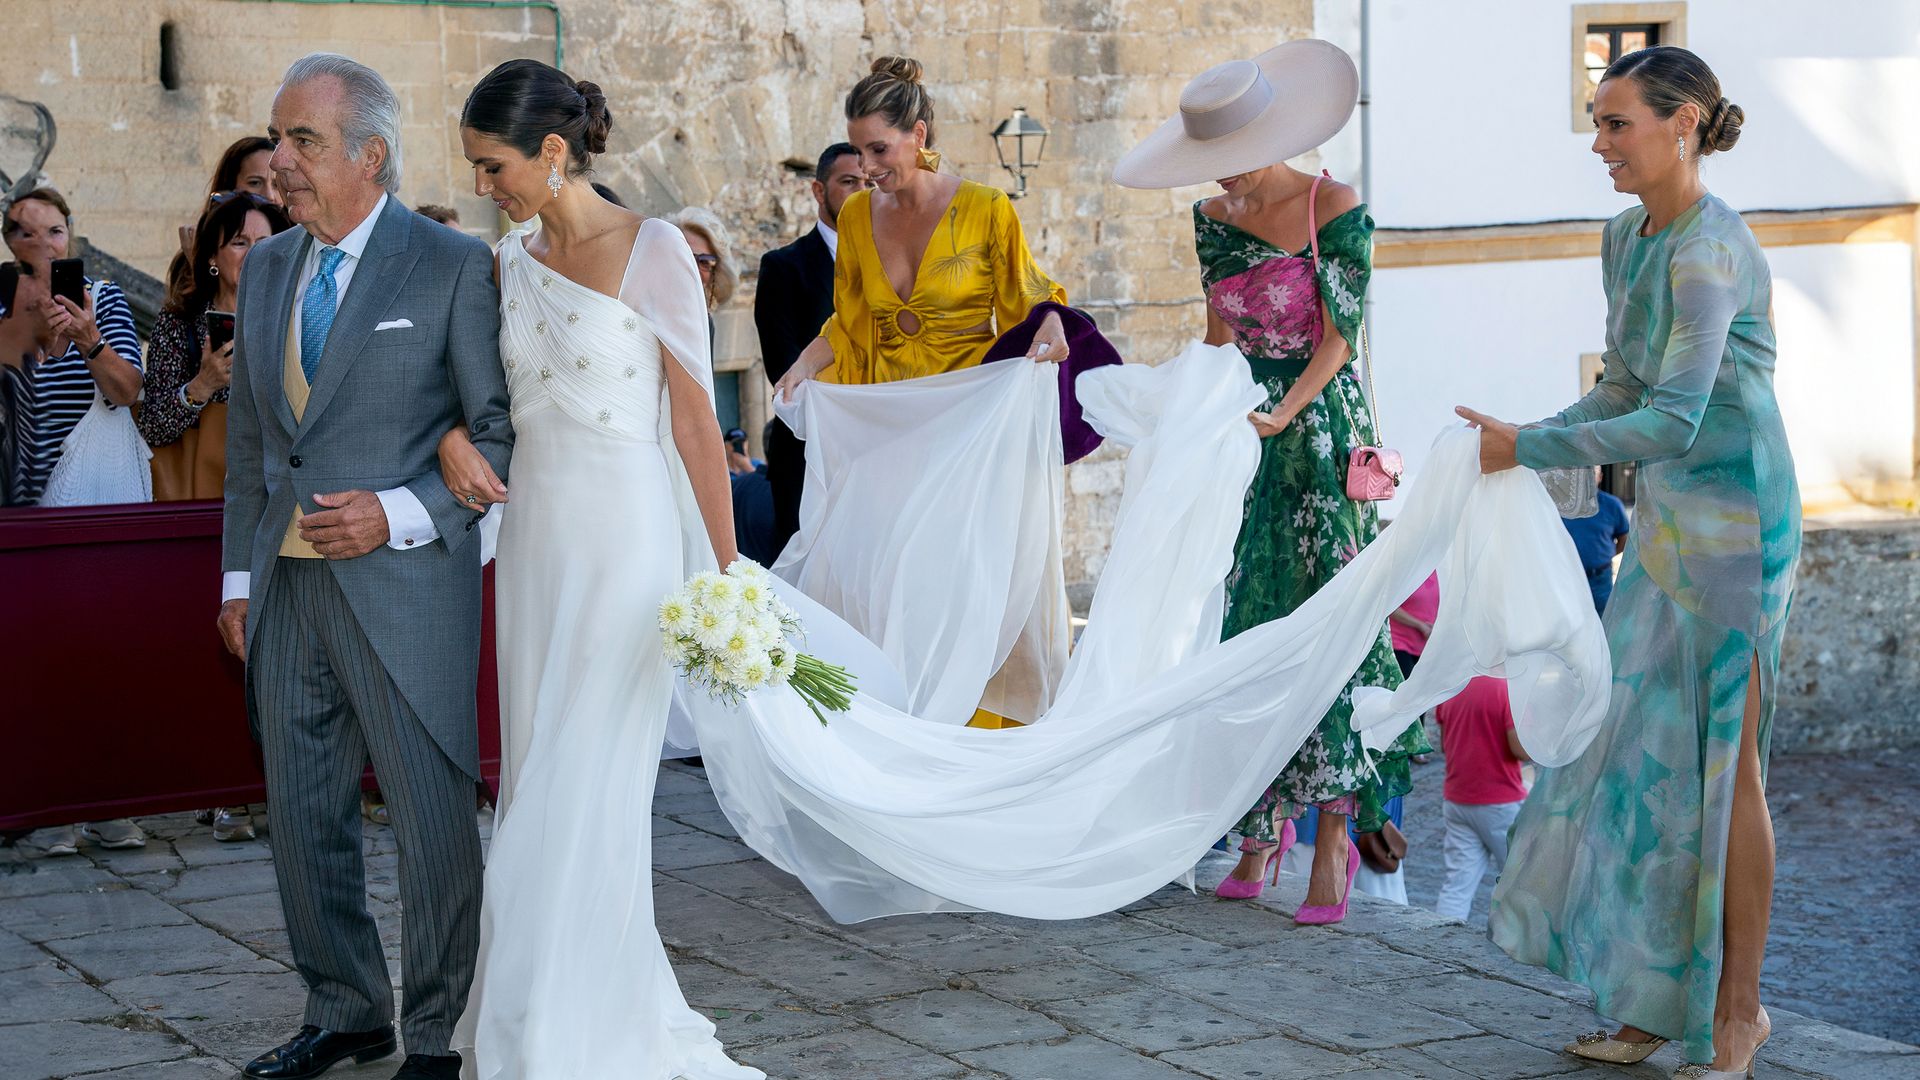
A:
[1247,114]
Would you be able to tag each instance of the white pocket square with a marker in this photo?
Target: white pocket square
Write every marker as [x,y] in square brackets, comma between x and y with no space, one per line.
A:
[394,324]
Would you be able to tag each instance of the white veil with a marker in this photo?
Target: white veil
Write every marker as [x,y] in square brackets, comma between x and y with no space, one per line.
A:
[1162,735]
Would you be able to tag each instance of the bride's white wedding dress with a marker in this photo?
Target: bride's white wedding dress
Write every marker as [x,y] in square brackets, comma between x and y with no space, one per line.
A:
[1157,737]
[572,981]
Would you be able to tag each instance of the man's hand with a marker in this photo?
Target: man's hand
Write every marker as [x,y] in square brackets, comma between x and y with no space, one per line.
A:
[352,524]
[233,627]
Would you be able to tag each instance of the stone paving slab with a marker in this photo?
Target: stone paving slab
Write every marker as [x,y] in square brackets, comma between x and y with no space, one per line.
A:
[1276,1056]
[854,1053]
[49,991]
[947,1021]
[172,964]
[1082,1057]
[68,1048]
[747,1010]
[1153,1021]
[157,950]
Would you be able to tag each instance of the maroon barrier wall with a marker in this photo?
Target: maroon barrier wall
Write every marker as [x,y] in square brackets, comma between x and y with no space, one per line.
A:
[116,696]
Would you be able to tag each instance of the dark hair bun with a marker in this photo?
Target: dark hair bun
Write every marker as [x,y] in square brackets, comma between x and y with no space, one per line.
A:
[521,102]
[904,68]
[599,117]
[1723,127]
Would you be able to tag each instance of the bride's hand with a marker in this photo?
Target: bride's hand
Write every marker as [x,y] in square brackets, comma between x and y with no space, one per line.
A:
[1499,441]
[467,473]
[1050,341]
[812,361]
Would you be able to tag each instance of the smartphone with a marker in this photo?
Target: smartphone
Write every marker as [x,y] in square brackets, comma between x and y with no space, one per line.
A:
[219,326]
[9,284]
[70,280]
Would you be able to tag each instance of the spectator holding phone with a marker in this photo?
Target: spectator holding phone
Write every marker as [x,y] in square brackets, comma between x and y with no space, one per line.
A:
[76,335]
[190,355]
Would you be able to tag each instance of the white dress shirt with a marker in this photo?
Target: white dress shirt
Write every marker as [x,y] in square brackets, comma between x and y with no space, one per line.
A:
[409,525]
[832,236]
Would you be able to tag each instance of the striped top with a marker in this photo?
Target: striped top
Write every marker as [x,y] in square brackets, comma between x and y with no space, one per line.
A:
[62,390]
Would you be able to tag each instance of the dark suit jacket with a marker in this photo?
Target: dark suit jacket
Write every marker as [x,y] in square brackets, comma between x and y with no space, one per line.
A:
[794,300]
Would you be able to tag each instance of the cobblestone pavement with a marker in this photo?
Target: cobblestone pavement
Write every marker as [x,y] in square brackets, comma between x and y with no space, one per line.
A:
[170,963]
[1846,920]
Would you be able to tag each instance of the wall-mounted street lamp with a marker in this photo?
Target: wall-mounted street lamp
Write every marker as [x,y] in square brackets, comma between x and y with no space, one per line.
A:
[1028,139]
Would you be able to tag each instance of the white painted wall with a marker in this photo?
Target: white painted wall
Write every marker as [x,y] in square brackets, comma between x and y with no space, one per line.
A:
[1506,338]
[1844,315]
[1471,108]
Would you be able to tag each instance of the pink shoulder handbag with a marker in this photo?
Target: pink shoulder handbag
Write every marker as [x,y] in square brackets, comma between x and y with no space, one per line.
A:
[1373,472]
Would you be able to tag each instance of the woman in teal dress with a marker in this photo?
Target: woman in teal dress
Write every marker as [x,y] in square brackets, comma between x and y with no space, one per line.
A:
[1644,870]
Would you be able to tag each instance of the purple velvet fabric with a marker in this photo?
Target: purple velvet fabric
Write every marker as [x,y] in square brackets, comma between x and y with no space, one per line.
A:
[1087,349]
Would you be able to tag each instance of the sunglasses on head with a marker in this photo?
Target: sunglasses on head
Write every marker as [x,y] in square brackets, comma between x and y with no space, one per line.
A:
[221,198]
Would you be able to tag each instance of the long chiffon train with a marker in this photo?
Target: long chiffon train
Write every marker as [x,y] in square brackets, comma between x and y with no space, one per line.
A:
[1159,735]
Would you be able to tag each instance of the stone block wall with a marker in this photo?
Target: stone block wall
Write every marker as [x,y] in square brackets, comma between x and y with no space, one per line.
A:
[724,103]
[1850,667]
[134,158]
[718,102]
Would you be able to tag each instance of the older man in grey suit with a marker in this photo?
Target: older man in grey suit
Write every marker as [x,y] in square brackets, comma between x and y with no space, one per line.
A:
[352,573]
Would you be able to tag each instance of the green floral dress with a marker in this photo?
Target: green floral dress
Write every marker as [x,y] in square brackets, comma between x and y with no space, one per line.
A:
[1299,528]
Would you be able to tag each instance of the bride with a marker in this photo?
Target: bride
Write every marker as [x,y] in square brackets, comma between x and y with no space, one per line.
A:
[620,492]
[1160,736]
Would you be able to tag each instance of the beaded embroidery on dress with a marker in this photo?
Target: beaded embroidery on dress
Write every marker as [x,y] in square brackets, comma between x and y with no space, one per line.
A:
[572,979]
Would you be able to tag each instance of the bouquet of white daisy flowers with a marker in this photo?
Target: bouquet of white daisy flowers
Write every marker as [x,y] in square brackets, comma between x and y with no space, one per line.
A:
[730,634]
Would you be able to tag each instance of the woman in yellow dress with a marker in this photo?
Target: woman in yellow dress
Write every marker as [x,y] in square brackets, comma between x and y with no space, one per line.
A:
[930,269]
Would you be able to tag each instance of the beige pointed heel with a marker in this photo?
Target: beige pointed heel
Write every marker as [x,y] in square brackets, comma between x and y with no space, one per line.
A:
[1600,1046]
[1708,1072]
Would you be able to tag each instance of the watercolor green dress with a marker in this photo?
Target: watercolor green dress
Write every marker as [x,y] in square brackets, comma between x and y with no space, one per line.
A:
[1299,528]
[1614,877]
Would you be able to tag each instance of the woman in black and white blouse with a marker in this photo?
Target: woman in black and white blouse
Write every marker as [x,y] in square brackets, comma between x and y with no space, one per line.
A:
[70,350]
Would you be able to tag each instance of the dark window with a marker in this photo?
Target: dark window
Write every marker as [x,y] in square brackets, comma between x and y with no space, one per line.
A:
[169,57]
[1607,42]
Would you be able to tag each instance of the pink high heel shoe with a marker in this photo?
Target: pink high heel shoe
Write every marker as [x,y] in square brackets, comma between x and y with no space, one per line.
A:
[1234,889]
[1323,914]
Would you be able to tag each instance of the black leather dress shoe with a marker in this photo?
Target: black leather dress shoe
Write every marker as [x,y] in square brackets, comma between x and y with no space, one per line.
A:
[315,1050]
[429,1067]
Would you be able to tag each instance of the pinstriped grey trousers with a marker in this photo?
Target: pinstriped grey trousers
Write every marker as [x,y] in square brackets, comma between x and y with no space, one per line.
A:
[325,705]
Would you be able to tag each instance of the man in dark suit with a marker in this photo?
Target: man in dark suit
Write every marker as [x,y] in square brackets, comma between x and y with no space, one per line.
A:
[794,301]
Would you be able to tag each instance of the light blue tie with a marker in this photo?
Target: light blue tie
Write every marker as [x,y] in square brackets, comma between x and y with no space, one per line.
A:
[317,310]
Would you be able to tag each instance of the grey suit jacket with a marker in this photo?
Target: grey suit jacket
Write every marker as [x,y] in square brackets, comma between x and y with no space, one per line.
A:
[379,404]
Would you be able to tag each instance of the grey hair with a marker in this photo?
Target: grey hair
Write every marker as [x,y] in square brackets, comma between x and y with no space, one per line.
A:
[372,109]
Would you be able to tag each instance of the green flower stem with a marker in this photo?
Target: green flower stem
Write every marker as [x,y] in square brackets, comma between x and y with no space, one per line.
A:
[822,684]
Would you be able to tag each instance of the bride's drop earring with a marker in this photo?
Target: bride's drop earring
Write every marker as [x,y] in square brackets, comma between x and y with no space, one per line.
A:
[554,181]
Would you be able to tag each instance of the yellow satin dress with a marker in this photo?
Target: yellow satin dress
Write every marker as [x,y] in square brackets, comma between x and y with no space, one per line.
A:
[977,279]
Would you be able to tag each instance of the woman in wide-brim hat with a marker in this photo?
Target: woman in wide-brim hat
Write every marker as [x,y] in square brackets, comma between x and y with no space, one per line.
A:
[1284,258]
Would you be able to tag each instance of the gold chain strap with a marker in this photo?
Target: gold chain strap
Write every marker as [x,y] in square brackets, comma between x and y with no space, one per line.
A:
[1373,399]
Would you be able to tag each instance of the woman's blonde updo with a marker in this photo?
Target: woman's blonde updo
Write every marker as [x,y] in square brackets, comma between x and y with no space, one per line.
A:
[1668,77]
[894,92]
